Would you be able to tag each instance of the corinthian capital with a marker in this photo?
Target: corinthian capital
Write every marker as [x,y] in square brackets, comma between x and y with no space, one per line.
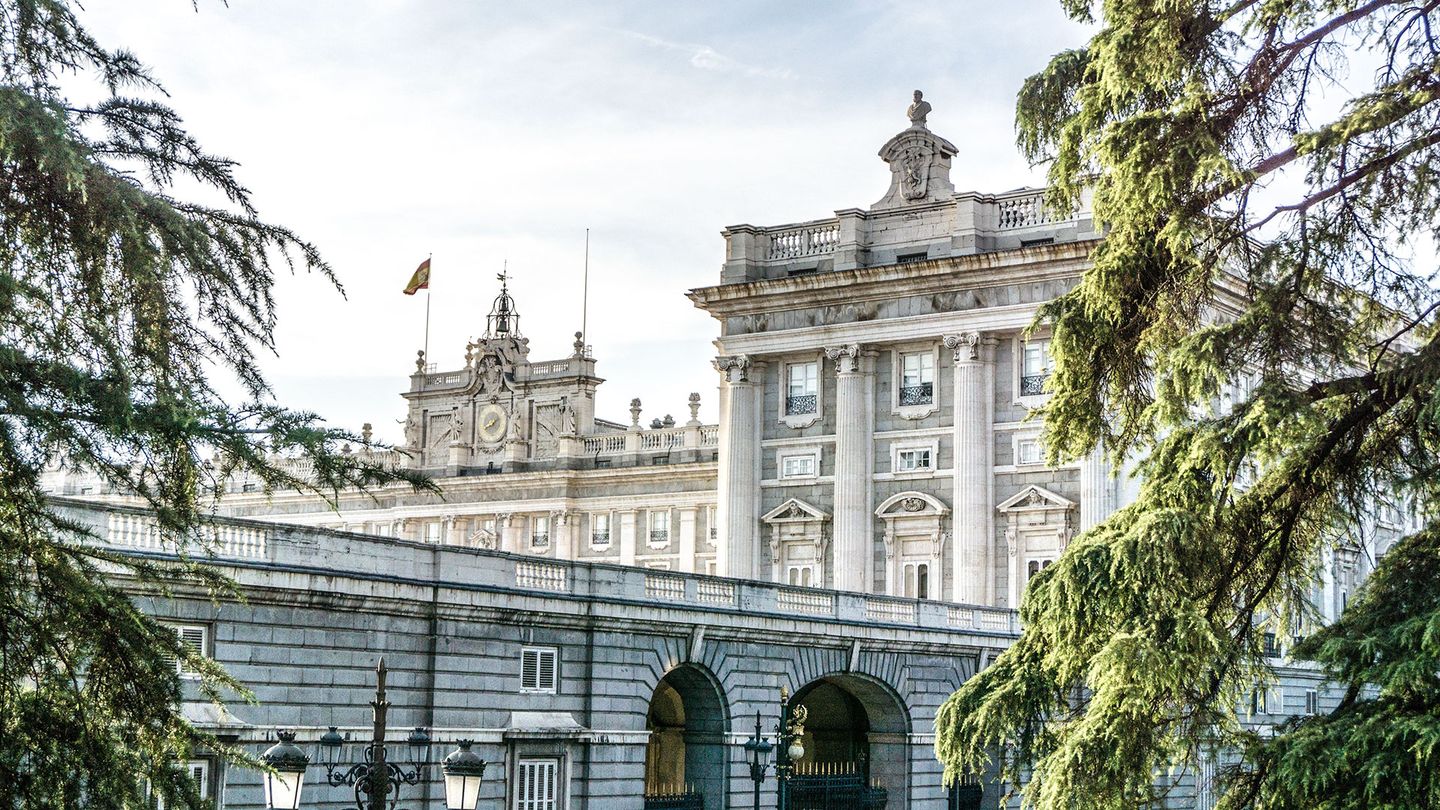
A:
[846,358]
[735,367]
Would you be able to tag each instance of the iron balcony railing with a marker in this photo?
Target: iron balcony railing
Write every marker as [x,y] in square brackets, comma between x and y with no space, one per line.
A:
[801,405]
[686,800]
[922,394]
[659,535]
[600,538]
[540,540]
[1032,384]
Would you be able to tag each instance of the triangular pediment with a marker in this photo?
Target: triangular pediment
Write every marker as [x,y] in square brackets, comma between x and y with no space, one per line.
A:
[1035,497]
[794,510]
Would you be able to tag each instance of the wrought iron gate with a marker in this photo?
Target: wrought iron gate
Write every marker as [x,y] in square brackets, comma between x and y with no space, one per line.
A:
[673,798]
[832,786]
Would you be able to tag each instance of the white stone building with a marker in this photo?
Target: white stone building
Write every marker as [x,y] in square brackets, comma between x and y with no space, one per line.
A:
[875,386]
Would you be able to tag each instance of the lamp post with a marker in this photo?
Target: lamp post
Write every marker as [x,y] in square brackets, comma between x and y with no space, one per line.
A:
[790,748]
[757,751]
[376,779]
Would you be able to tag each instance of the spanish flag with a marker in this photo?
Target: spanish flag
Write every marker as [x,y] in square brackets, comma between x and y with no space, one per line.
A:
[421,279]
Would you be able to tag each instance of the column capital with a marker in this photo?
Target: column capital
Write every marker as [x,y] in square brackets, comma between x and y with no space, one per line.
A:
[972,347]
[846,358]
[736,368]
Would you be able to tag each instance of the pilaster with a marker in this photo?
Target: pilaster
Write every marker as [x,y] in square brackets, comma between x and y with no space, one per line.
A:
[686,540]
[627,536]
[1097,489]
[972,571]
[854,466]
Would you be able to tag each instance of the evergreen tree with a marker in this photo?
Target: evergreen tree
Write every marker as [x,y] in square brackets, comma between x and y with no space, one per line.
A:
[121,304]
[1263,218]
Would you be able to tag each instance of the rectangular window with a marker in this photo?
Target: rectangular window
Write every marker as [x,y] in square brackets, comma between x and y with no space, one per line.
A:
[538,669]
[1258,702]
[802,575]
[194,636]
[1035,367]
[802,388]
[535,784]
[432,531]
[1312,701]
[797,467]
[710,521]
[600,529]
[540,531]
[1029,451]
[918,458]
[1272,646]
[916,580]
[659,526]
[1034,567]
[917,378]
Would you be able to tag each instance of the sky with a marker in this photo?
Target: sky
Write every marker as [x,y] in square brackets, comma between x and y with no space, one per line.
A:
[485,133]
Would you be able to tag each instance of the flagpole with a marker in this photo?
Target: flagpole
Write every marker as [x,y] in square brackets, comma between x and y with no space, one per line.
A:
[585,294]
[428,257]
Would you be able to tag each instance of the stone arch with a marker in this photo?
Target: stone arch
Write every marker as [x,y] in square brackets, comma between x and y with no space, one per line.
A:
[688,720]
[857,718]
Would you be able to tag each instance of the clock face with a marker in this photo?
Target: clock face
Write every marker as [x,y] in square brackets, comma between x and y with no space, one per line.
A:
[492,422]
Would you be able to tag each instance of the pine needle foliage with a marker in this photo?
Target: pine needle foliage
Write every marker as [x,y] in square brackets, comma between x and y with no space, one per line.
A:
[121,302]
[1266,171]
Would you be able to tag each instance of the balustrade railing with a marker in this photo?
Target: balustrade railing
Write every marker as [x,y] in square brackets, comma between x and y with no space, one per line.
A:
[664,586]
[922,394]
[802,405]
[542,576]
[225,540]
[813,602]
[810,239]
[1032,385]
[889,610]
[676,438]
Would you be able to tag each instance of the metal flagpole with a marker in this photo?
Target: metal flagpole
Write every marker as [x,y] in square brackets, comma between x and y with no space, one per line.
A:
[585,294]
[430,267]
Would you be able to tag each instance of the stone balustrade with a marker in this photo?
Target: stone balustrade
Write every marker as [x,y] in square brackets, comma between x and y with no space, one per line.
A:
[650,441]
[303,551]
[965,224]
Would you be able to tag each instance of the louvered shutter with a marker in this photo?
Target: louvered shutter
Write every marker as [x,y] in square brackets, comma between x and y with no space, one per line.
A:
[530,669]
[192,636]
[547,671]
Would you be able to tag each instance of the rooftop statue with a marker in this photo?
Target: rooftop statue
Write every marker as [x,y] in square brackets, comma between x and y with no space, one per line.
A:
[918,110]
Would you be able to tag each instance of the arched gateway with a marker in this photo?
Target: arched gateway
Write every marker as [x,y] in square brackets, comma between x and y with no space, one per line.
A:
[686,759]
[856,739]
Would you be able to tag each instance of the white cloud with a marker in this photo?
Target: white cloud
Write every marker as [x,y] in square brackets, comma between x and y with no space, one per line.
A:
[707,58]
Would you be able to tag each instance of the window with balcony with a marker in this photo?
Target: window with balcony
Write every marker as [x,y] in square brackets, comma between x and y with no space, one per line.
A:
[802,389]
[1034,367]
[600,529]
[710,521]
[659,527]
[917,378]
[540,532]
[432,531]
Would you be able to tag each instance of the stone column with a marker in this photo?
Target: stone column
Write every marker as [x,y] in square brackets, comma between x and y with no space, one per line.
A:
[738,516]
[854,462]
[1097,489]
[562,534]
[507,526]
[972,574]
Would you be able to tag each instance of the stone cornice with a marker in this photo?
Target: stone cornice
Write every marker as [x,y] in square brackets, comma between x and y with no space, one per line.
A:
[1066,260]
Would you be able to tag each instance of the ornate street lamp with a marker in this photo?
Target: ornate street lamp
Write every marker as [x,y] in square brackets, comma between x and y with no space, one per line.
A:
[376,779]
[464,770]
[788,734]
[283,781]
[757,751]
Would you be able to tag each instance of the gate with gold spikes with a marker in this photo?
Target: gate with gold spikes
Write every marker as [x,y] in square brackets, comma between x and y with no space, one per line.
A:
[673,797]
[833,786]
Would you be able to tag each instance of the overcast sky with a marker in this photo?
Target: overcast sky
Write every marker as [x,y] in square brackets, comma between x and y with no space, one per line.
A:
[481,132]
